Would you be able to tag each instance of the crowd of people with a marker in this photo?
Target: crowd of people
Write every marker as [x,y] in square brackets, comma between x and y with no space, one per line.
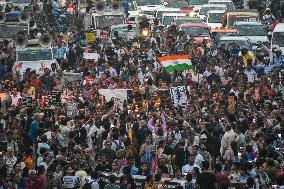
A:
[227,134]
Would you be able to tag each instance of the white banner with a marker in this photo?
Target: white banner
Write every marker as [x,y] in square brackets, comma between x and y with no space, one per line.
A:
[70,77]
[36,65]
[91,56]
[179,96]
[118,95]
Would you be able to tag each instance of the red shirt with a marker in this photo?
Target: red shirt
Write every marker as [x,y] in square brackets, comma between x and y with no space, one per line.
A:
[221,178]
[32,184]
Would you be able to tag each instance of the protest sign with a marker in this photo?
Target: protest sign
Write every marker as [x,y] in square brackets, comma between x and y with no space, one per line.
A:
[70,181]
[72,110]
[90,38]
[118,95]
[179,96]
[91,56]
[71,77]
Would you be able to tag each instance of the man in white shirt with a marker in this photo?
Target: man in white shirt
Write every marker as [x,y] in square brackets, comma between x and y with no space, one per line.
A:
[15,96]
[251,74]
[198,158]
[190,165]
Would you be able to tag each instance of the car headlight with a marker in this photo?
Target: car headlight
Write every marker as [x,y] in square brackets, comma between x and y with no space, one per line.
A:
[192,14]
[145,32]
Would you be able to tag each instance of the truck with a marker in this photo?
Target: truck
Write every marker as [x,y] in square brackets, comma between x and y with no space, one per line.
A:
[11,24]
[36,54]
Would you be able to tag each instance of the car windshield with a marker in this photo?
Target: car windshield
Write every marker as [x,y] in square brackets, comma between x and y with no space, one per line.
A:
[108,21]
[160,13]
[240,43]
[251,30]
[215,17]
[197,2]
[217,35]
[148,2]
[124,33]
[234,19]
[278,39]
[19,1]
[196,31]
[34,55]
[182,21]
[10,31]
[176,4]
[168,20]
[229,5]
[204,10]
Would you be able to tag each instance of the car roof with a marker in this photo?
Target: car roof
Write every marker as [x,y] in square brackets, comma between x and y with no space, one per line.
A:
[225,30]
[189,24]
[216,11]
[174,14]
[168,9]
[122,26]
[233,38]
[221,1]
[214,5]
[248,23]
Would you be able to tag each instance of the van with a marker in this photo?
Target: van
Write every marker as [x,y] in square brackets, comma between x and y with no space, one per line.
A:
[246,15]
[278,36]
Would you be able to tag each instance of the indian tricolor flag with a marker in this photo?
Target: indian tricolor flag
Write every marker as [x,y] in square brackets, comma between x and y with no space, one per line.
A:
[175,62]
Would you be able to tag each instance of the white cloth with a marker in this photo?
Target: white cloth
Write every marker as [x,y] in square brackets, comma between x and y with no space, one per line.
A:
[10,162]
[227,139]
[251,75]
[188,168]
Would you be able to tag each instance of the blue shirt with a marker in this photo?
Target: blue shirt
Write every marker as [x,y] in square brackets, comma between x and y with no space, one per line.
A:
[34,127]
[60,52]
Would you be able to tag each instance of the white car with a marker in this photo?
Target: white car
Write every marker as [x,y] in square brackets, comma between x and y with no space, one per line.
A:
[214,18]
[209,7]
[252,30]
[278,36]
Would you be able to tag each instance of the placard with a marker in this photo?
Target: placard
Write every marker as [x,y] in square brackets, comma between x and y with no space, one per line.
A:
[118,95]
[179,96]
[70,181]
[72,110]
[91,56]
[90,38]
[71,77]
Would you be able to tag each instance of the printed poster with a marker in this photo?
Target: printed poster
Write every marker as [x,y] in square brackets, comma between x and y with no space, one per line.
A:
[118,95]
[179,96]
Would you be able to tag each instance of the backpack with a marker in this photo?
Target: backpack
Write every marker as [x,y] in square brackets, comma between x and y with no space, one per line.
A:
[118,145]
[88,185]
